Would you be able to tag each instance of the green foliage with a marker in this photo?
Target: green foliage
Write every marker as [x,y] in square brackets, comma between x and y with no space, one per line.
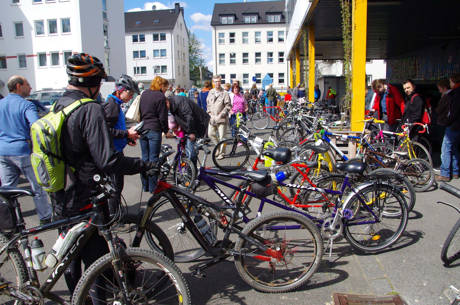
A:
[196,59]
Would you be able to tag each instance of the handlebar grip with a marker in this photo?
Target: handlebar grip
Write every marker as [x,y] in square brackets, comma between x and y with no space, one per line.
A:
[450,189]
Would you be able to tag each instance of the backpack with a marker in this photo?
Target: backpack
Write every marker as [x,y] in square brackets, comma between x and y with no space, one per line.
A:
[47,159]
[426,116]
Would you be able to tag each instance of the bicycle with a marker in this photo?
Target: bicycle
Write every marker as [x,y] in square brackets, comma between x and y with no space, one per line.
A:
[451,248]
[117,274]
[260,119]
[184,171]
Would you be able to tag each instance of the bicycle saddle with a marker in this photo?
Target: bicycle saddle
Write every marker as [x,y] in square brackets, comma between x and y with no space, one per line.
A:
[10,192]
[319,149]
[255,176]
[352,166]
[280,154]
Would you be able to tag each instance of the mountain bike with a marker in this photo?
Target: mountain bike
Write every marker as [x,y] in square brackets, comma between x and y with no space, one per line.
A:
[122,276]
[451,248]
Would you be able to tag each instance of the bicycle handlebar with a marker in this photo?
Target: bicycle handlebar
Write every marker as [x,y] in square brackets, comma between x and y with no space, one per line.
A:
[407,125]
[450,189]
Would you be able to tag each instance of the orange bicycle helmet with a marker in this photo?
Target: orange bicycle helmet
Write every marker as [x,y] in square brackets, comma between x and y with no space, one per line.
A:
[85,70]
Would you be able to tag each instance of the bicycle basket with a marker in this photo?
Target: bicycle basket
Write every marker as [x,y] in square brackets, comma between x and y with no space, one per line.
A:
[7,215]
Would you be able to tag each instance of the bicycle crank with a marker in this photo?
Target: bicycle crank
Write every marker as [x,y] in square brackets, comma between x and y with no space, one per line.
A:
[331,229]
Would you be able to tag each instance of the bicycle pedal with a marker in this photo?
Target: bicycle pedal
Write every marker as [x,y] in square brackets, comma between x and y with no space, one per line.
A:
[198,273]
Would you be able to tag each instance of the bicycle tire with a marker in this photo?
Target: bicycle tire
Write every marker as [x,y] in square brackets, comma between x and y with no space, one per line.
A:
[154,235]
[263,225]
[419,172]
[13,270]
[167,275]
[185,175]
[235,154]
[260,120]
[184,245]
[373,232]
[420,152]
[453,240]
[293,135]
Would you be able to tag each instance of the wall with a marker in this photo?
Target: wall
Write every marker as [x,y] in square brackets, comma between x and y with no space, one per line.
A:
[116,17]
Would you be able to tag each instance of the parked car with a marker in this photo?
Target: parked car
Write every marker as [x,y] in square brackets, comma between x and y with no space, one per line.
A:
[44,99]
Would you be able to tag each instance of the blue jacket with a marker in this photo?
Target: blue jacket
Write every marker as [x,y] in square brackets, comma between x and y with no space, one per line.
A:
[16,116]
[116,121]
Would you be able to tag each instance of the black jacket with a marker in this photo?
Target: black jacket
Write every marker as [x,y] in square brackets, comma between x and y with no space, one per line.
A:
[442,110]
[112,114]
[190,117]
[88,147]
[153,110]
[453,117]
[413,108]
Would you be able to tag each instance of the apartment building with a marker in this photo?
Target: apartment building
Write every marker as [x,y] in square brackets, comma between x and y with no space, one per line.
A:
[157,44]
[37,36]
[248,42]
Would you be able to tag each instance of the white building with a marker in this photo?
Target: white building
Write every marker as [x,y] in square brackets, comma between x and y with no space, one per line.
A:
[37,36]
[157,44]
[248,42]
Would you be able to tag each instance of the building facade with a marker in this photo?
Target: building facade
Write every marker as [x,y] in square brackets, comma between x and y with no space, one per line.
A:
[157,45]
[37,36]
[248,42]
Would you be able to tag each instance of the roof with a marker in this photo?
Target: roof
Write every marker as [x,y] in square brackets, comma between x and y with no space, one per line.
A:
[151,20]
[239,9]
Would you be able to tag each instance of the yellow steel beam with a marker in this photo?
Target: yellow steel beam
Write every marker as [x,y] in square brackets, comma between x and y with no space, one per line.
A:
[358,64]
[297,66]
[291,73]
[311,63]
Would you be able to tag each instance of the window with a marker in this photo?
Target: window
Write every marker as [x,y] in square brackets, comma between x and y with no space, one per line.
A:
[227,19]
[258,80]
[269,36]
[271,75]
[164,69]
[156,53]
[65,23]
[280,36]
[274,18]
[19,29]
[162,36]
[222,81]
[257,37]
[67,54]
[232,77]
[52,26]
[135,54]
[37,1]
[39,27]
[258,58]
[22,62]
[138,38]
[245,58]
[156,69]
[232,58]
[163,52]
[245,78]
[156,20]
[42,59]
[250,19]
[245,37]
[140,70]
[3,62]
[231,38]
[221,58]
[139,54]
[14,1]
[280,78]
[1,31]
[156,37]
[281,57]
[55,58]
[269,57]
[221,38]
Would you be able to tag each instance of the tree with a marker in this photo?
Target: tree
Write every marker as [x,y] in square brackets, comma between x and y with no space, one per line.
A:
[196,59]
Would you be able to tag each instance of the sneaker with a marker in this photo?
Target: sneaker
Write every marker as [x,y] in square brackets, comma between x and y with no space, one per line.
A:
[454,176]
[440,178]
[220,157]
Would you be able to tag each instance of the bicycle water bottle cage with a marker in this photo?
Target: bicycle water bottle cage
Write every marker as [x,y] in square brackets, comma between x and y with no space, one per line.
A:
[352,167]
[280,154]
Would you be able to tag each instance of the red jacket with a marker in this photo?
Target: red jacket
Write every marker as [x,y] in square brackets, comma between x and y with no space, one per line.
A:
[395,104]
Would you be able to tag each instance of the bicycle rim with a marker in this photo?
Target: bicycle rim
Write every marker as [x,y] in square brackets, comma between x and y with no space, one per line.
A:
[419,172]
[184,173]
[260,120]
[231,154]
[374,231]
[451,249]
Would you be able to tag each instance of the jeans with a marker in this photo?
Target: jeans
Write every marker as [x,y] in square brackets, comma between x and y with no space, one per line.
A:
[10,169]
[233,123]
[269,103]
[449,152]
[150,147]
[190,151]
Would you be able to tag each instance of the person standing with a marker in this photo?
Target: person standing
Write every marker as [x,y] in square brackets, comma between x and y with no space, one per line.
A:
[239,105]
[271,99]
[317,93]
[388,104]
[449,149]
[442,109]
[204,95]
[16,116]
[154,113]
[414,105]
[219,106]
[254,92]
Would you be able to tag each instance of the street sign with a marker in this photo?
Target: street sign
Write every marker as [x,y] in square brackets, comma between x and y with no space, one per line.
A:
[254,79]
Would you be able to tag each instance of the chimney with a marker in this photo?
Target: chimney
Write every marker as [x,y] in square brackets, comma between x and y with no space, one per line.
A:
[176,7]
[154,7]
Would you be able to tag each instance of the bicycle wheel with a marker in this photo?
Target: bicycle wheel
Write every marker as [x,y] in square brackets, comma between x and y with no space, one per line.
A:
[12,270]
[421,152]
[393,178]
[419,172]
[231,154]
[155,237]
[184,244]
[379,217]
[451,249]
[184,172]
[260,120]
[292,238]
[152,279]
[292,135]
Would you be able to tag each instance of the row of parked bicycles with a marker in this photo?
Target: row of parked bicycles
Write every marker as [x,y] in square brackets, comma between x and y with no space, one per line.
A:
[277,205]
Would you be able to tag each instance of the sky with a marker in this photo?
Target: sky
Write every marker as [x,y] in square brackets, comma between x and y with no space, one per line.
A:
[198,15]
